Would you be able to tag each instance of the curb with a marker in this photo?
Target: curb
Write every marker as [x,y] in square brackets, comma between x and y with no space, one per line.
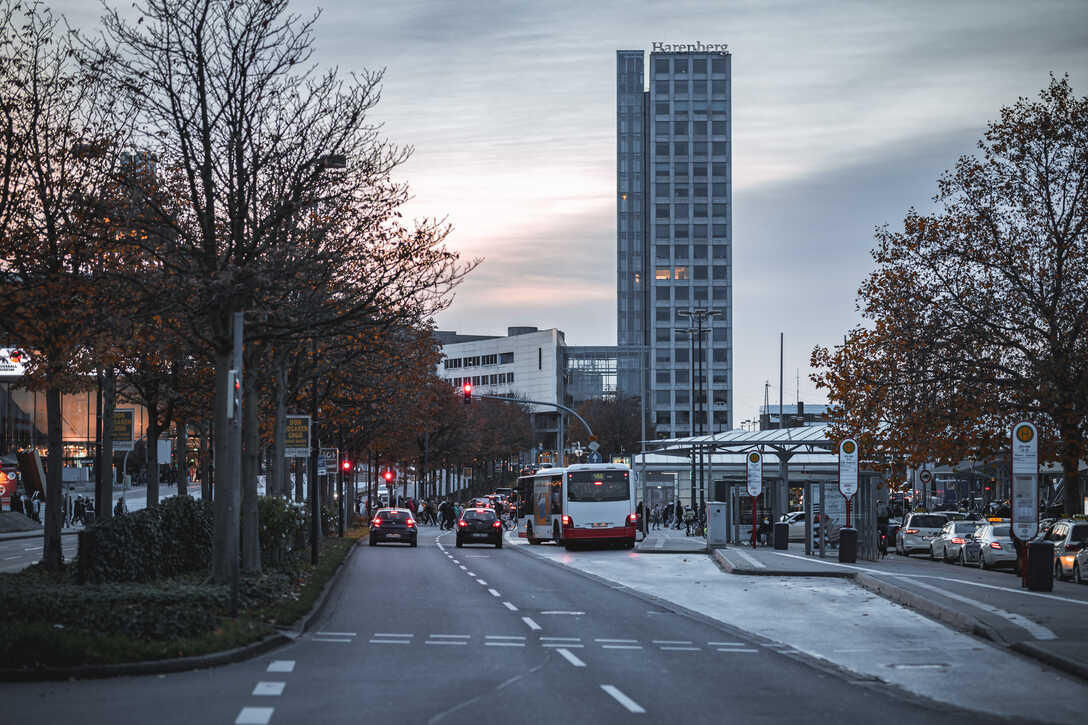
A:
[195,662]
[1057,661]
[729,567]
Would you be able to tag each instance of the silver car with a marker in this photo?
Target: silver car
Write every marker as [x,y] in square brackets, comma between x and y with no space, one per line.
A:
[946,545]
[917,531]
[998,550]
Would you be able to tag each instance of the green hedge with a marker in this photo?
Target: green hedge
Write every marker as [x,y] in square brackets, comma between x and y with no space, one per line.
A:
[160,541]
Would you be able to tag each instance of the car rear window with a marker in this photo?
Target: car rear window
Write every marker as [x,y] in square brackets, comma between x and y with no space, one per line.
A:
[1080,533]
[479,515]
[1002,531]
[928,521]
[966,527]
[395,515]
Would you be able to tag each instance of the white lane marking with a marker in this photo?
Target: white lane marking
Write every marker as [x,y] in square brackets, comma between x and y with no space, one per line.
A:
[672,641]
[556,611]
[504,636]
[340,640]
[9,558]
[530,623]
[481,582]
[504,644]
[571,657]
[281,666]
[335,634]
[681,649]
[392,634]
[472,573]
[390,641]
[450,636]
[269,688]
[510,606]
[750,559]
[463,567]
[1037,631]
[621,646]
[724,649]
[493,593]
[618,641]
[725,644]
[446,641]
[254,716]
[623,699]
[561,644]
[560,639]
[776,645]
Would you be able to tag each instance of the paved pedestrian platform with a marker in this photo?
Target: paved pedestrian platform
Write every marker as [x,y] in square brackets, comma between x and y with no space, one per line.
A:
[671,541]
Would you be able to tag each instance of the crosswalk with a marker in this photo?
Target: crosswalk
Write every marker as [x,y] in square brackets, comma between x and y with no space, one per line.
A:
[514,641]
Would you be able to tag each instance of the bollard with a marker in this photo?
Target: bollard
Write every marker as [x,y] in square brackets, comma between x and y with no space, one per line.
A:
[781,535]
[1040,576]
[848,546]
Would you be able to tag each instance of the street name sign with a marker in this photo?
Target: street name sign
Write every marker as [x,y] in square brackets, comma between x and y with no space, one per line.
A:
[593,445]
[755,473]
[124,429]
[297,440]
[1025,481]
[848,467]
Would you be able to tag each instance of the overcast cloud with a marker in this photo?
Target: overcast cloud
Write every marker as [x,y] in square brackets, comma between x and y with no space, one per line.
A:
[844,113]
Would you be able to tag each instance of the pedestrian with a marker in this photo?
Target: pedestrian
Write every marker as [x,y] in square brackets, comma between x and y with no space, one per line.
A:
[689,520]
[120,509]
[679,515]
[79,508]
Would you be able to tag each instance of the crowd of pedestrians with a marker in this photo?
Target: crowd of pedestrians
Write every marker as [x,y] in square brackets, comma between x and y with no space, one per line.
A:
[673,515]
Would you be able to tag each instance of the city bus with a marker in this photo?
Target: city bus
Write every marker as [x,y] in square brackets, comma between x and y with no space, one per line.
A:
[582,503]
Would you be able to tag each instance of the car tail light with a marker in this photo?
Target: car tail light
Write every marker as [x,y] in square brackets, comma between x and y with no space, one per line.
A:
[462,523]
[377,522]
[497,525]
[995,545]
[910,531]
[410,523]
[567,520]
[957,540]
[632,519]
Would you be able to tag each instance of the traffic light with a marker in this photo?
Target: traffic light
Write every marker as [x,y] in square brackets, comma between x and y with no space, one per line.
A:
[345,465]
[234,394]
[467,387]
[389,475]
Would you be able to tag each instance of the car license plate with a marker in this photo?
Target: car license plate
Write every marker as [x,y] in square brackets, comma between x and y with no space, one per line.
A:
[394,536]
[600,525]
[480,536]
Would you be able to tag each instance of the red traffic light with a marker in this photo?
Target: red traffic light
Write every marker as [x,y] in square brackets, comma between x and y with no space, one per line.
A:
[467,389]
[389,475]
[346,465]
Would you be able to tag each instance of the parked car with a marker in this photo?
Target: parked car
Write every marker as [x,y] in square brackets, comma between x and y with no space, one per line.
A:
[947,543]
[796,520]
[917,531]
[998,549]
[1069,537]
[1080,566]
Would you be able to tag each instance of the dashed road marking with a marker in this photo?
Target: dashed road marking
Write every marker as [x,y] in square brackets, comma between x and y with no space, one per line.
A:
[392,634]
[618,641]
[530,623]
[269,688]
[510,606]
[254,716]
[727,649]
[463,567]
[681,649]
[672,641]
[338,640]
[623,699]
[335,634]
[571,657]
[562,644]
[504,644]
[556,611]
[621,646]
[725,644]
[281,666]
[390,641]
[450,636]
[446,641]
[481,582]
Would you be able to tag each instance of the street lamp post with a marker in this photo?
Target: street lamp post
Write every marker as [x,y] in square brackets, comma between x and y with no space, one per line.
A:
[699,316]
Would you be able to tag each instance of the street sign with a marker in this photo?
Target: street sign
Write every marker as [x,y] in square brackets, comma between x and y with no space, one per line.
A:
[848,467]
[594,457]
[124,429]
[755,473]
[332,460]
[297,440]
[1025,481]
[925,476]
[593,445]
[321,469]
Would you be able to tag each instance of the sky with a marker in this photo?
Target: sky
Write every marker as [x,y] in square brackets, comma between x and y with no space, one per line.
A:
[844,115]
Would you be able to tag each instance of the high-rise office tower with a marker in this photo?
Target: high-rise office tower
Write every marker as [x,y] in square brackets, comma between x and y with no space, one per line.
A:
[674,235]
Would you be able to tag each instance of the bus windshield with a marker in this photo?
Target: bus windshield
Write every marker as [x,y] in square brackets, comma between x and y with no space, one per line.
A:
[598,486]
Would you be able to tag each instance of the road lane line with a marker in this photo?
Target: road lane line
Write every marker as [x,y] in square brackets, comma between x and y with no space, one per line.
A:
[449,636]
[681,649]
[391,634]
[560,639]
[672,641]
[504,644]
[447,641]
[331,639]
[272,689]
[281,666]
[505,636]
[472,573]
[618,641]
[623,699]
[494,593]
[571,657]
[562,644]
[254,716]
[621,646]
[510,606]
[390,641]
[724,649]
[725,644]
[335,634]
[481,582]
[531,624]
[463,567]
[556,611]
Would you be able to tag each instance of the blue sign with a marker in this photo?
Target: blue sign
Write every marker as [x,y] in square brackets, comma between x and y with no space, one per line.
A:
[321,465]
[594,457]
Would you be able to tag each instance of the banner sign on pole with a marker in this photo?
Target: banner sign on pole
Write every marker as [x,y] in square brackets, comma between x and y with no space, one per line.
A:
[1025,481]
[297,440]
[124,429]
[848,467]
[755,473]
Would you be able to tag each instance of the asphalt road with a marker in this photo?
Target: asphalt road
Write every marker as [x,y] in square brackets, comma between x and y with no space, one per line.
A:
[438,634]
[16,554]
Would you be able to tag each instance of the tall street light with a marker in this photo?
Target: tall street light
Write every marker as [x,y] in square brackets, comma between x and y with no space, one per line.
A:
[700,316]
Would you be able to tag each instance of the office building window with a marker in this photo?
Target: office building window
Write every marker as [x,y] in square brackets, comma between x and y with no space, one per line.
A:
[662,211]
[680,148]
[680,128]
[662,273]
[699,271]
[681,294]
[663,356]
[698,148]
[721,356]
[681,251]
[718,172]
[700,231]
[661,65]
[698,89]
[662,189]
[681,354]
[506,358]
[681,273]
[662,334]
[681,192]
[680,171]
[720,271]
[661,88]
[661,108]
[721,251]
[718,128]
[663,377]
[721,230]
[661,171]
[700,211]
[698,65]
[701,294]
[700,191]
[663,418]
[721,210]
[661,292]
[661,231]
[682,232]
[699,171]
[680,86]
[662,397]
[662,251]
[683,397]
[661,314]
[718,88]
[721,293]
[717,65]
[681,212]
[661,148]
[661,128]
[699,128]
[719,148]
[681,377]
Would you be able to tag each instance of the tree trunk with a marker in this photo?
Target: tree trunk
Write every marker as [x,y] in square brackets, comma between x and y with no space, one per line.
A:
[109,403]
[52,556]
[181,455]
[205,461]
[277,482]
[152,447]
[300,495]
[1071,447]
[251,544]
[225,533]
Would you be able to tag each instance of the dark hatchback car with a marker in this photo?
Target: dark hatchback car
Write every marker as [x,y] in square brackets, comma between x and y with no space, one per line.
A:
[479,526]
[395,525]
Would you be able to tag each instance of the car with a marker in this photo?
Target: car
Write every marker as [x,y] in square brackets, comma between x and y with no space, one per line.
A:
[947,543]
[481,502]
[796,520]
[917,531]
[479,526]
[1069,537]
[1080,566]
[394,525]
[998,549]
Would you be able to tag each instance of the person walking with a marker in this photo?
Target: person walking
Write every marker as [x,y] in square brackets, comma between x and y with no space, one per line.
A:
[120,509]
[689,520]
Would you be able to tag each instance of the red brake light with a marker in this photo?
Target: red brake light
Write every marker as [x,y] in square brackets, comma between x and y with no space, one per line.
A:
[911,531]
[497,524]
[995,545]
[567,520]
[462,522]
[377,521]
[957,540]
[632,519]
[410,523]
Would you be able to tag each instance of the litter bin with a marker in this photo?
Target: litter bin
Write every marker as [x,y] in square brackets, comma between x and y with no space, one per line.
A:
[1040,566]
[781,535]
[848,545]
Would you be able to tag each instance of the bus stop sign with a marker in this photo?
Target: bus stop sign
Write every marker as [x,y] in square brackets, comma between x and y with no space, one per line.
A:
[1025,481]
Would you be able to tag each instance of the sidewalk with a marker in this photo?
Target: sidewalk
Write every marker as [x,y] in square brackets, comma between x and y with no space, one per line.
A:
[1048,626]
[671,541]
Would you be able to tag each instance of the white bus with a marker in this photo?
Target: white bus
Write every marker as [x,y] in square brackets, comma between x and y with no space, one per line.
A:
[582,503]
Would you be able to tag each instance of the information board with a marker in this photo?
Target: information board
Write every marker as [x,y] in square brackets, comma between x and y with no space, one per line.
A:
[124,429]
[298,437]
